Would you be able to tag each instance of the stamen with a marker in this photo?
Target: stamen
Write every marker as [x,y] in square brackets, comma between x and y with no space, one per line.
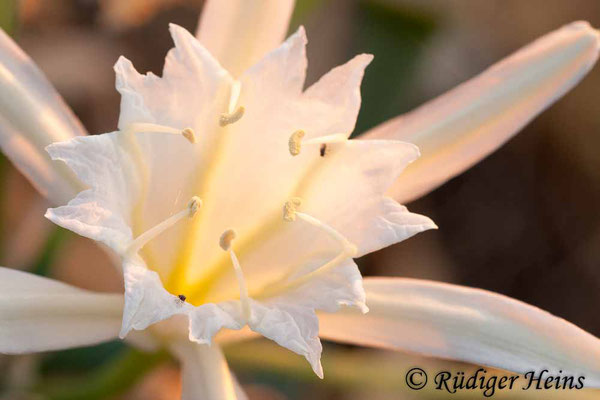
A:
[295,142]
[290,207]
[234,113]
[348,250]
[225,242]
[192,207]
[187,133]
[290,213]
[230,118]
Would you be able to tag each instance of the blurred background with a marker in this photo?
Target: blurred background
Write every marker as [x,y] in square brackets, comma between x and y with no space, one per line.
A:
[524,222]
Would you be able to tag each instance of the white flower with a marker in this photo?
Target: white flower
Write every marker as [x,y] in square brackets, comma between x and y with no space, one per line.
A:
[242,150]
[235,199]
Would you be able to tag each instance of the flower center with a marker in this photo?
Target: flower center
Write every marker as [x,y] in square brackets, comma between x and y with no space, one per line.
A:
[196,291]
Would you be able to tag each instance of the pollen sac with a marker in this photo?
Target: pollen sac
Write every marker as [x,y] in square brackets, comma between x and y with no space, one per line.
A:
[189,134]
[193,206]
[290,207]
[226,238]
[230,118]
[295,142]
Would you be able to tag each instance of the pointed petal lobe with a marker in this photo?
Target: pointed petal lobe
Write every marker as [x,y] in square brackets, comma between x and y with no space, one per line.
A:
[465,324]
[337,97]
[39,314]
[461,127]
[240,32]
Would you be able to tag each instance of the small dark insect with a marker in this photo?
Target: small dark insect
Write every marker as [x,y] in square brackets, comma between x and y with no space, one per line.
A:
[182,297]
[323,150]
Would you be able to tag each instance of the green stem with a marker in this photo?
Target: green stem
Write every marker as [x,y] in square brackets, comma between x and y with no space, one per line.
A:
[111,379]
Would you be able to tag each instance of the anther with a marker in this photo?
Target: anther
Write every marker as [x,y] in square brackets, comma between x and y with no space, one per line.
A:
[230,118]
[290,207]
[189,134]
[295,142]
[136,245]
[194,204]
[226,238]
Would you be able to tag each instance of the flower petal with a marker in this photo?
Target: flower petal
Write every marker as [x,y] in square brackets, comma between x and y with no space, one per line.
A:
[465,324]
[146,300]
[192,80]
[39,314]
[205,373]
[105,165]
[292,326]
[290,320]
[240,32]
[348,193]
[466,124]
[33,115]
[334,100]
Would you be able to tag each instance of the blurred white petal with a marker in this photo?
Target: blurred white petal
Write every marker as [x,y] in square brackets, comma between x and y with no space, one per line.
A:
[461,127]
[39,314]
[33,115]
[205,373]
[239,32]
[472,325]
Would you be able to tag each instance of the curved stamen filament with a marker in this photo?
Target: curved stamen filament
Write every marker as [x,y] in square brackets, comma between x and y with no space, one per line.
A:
[225,242]
[296,142]
[349,250]
[194,204]
[187,133]
[347,246]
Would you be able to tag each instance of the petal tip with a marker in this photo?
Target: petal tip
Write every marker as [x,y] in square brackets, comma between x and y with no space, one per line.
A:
[319,370]
[124,332]
[365,58]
